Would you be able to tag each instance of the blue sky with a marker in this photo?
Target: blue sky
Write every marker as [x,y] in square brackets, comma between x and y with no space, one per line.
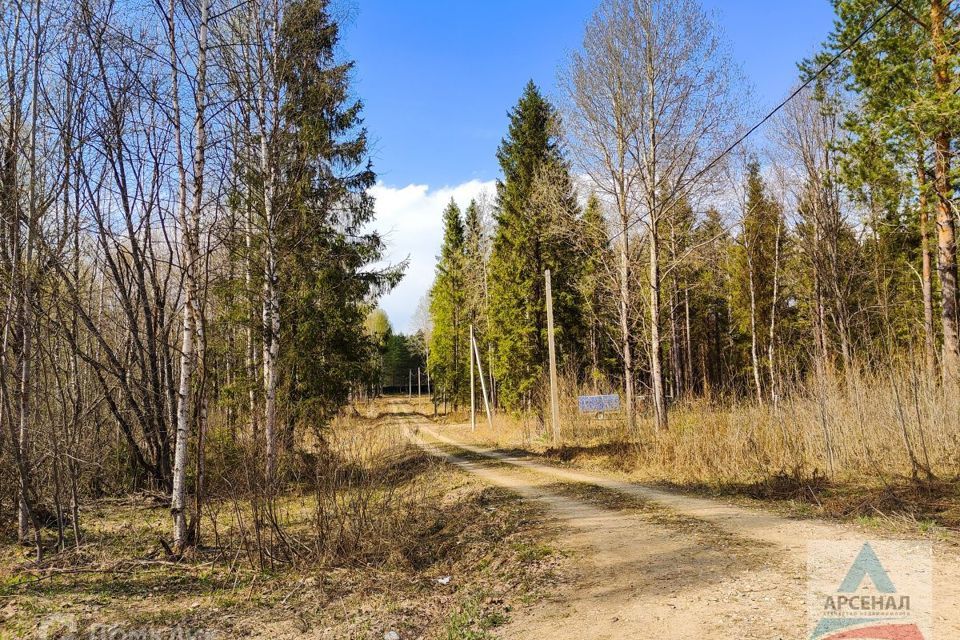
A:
[438,77]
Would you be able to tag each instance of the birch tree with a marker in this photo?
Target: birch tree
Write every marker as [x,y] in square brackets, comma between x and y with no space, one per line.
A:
[651,108]
[189,221]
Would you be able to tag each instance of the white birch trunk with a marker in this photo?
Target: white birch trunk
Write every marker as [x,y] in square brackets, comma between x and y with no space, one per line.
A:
[271,310]
[191,306]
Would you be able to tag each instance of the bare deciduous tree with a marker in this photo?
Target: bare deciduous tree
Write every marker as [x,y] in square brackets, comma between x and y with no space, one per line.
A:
[650,108]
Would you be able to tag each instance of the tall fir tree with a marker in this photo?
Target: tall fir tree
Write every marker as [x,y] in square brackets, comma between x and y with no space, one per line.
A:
[325,274]
[474,268]
[714,332]
[523,247]
[449,358]
[601,360]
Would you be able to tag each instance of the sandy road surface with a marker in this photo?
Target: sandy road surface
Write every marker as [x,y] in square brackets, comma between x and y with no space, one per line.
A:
[666,566]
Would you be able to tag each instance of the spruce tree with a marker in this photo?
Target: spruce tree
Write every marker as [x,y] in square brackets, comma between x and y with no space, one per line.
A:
[523,247]
[601,359]
[718,349]
[474,267]
[325,274]
[448,358]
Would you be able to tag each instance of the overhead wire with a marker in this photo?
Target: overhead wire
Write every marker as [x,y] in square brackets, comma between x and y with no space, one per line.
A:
[894,6]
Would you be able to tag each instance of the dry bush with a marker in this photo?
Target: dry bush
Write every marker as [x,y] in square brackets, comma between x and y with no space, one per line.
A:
[351,495]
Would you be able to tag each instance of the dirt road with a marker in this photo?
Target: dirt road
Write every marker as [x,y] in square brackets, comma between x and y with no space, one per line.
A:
[653,564]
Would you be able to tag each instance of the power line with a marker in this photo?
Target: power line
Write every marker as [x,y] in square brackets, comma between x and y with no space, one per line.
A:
[894,5]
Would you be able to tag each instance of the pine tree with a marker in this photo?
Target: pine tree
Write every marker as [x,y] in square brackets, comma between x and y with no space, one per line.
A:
[904,73]
[448,357]
[523,247]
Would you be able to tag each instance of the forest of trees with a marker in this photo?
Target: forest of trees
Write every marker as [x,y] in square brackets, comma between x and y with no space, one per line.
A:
[696,256]
[185,256]
[399,362]
[188,275]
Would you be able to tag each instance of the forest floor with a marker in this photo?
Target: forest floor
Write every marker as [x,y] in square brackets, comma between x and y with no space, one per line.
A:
[479,552]
[653,562]
[520,544]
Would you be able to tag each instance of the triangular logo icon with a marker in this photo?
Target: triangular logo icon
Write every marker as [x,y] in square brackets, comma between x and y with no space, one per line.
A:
[866,565]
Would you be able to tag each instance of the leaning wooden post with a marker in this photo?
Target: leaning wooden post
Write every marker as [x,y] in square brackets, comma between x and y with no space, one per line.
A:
[483,384]
[554,399]
[473,395]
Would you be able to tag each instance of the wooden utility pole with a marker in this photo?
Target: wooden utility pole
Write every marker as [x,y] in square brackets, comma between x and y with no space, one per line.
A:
[473,395]
[483,382]
[554,400]
[410,383]
[493,382]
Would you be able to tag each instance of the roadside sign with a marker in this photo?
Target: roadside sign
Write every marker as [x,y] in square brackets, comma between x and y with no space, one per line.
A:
[598,404]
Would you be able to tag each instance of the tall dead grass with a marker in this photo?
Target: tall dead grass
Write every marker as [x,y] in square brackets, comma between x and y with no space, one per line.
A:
[859,426]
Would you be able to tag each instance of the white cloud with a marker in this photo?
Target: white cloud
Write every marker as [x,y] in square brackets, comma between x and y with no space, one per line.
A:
[410,220]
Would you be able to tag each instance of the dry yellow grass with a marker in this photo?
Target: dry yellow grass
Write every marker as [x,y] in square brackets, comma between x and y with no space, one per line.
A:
[372,537]
[873,426]
[859,444]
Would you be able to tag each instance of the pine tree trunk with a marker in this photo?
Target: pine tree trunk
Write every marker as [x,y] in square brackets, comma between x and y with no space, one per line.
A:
[946,235]
[947,260]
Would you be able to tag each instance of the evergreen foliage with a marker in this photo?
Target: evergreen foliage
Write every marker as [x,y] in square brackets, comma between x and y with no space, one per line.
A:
[523,247]
[448,357]
[325,274]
